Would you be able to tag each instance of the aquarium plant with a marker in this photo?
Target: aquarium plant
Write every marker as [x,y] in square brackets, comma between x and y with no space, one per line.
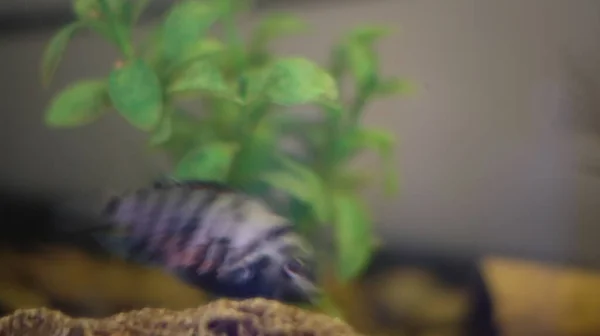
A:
[244,94]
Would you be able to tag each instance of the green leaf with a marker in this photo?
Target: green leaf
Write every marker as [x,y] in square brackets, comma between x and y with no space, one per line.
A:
[202,76]
[90,13]
[349,180]
[259,59]
[86,9]
[256,81]
[309,133]
[137,9]
[379,140]
[136,93]
[210,162]
[226,118]
[301,183]
[356,53]
[354,236]
[230,7]
[367,34]
[394,86]
[117,14]
[150,49]
[186,23]
[295,187]
[294,81]
[301,214]
[187,132]
[362,62]
[55,49]
[383,142]
[163,131]
[77,105]
[334,111]
[257,154]
[123,10]
[202,49]
[273,27]
[346,146]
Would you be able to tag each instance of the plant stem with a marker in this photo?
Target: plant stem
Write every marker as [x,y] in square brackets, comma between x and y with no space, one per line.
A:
[122,41]
[357,107]
[236,42]
[328,154]
[255,113]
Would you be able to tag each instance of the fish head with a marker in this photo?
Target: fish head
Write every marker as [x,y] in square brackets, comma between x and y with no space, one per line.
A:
[292,274]
[288,275]
[297,279]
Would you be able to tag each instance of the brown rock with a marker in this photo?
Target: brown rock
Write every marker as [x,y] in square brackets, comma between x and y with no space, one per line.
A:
[219,318]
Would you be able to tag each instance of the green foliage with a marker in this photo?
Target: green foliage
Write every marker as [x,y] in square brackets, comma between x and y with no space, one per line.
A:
[212,162]
[297,81]
[185,25]
[79,104]
[245,92]
[55,49]
[354,237]
[199,76]
[303,184]
[136,93]
[163,131]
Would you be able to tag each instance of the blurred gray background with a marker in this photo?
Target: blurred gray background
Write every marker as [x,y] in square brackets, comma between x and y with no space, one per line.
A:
[499,150]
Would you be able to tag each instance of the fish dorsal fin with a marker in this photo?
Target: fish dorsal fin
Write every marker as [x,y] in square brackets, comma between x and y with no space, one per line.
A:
[165,181]
[171,182]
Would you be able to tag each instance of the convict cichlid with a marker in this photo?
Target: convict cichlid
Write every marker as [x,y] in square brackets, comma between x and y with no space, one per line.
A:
[213,237]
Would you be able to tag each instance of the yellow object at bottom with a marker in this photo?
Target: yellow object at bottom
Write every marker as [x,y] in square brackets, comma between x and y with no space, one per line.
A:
[102,286]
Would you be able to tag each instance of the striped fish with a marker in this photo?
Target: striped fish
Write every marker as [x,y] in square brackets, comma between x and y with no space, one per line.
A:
[214,237]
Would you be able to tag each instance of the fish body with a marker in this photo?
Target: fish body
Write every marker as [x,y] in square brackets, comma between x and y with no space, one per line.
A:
[214,237]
